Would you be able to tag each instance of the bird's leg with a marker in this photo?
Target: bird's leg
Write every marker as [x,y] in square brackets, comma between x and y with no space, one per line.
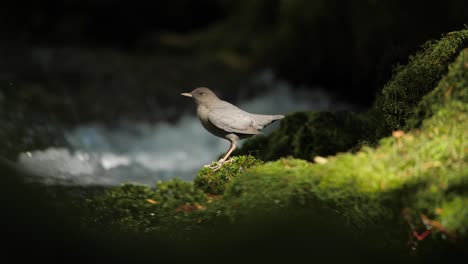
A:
[224,158]
[231,149]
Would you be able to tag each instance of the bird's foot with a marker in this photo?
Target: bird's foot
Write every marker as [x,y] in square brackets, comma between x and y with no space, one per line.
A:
[214,166]
[229,160]
[217,165]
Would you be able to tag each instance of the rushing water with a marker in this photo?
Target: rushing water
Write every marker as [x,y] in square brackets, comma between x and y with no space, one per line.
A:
[145,153]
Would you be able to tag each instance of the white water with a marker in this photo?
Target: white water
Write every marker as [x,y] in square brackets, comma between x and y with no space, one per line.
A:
[145,153]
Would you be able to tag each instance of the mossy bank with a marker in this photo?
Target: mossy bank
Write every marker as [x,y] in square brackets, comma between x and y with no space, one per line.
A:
[409,185]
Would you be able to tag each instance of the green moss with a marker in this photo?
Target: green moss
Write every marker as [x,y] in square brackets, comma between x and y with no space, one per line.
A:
[390,190]
[215,182]
[138,208]
[424,170]
[306,135]
[452,87]
[454,214]
[411,82]
[328,133]
[279,143]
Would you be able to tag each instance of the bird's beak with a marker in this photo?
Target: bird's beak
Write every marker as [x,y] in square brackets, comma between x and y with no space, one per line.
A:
[187,94]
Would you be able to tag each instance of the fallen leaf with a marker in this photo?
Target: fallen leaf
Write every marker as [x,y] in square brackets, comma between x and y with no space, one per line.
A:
[436,225]
[398,133]
[151,201]
[320,160]
[199,206]
[189,207]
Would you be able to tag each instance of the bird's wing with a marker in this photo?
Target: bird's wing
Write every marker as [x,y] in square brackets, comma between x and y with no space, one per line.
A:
[232,119]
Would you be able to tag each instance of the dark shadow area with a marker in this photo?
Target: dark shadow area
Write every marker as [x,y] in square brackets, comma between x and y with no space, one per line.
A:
[46,226]
[348,47]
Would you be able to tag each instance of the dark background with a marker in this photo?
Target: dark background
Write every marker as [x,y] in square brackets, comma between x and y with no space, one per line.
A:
[105,23]
[348,47]
[64,63]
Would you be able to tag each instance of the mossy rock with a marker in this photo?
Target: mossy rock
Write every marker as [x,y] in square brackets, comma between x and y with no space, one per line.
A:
[409,178]
[307,134]
[215,182]
[327,133]
[452,87]
[277,144]
[411,82]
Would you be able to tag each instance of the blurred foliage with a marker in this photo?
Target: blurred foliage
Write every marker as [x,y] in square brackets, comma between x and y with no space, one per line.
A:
[58,82]
[138,208]
[347,46]
[215,182]
[120,24]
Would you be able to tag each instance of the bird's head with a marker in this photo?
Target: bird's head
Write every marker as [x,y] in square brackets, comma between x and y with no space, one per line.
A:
[202,95]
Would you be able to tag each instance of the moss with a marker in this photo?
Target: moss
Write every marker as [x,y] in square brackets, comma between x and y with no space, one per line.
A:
[138,208]
[411,182]
[454,214]
[306,135]
[363,189]
[424,170]
[215,182]
[411,82]
[453,87]
[328,133]
[279,143]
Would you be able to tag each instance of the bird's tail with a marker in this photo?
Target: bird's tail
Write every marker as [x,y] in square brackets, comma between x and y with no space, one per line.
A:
[264,120]
[277,117]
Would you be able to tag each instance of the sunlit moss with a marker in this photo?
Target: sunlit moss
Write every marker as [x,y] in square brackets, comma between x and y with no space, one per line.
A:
[453,87]
[215,181]
[411,82]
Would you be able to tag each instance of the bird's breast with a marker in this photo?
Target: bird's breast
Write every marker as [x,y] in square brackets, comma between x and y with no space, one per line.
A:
[203,115]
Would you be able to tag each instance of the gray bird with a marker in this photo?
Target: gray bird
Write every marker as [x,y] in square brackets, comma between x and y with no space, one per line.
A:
[227,121]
